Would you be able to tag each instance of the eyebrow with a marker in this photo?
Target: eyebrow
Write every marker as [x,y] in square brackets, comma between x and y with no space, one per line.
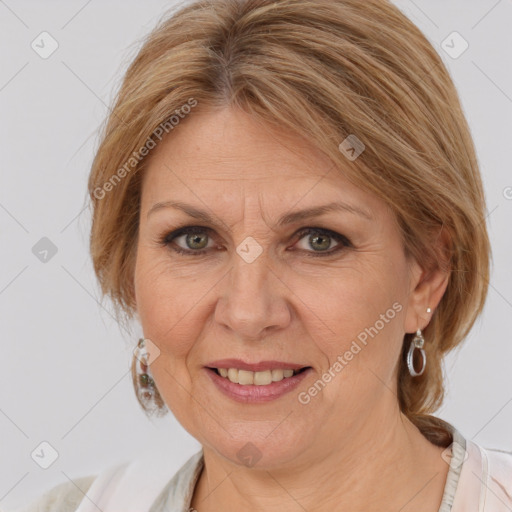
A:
[289,218]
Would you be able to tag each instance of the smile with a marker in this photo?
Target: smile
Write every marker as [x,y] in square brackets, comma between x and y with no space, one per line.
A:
[262,378]
[263,385]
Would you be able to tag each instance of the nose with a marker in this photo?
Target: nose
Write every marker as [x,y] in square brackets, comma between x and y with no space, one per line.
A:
[253,300]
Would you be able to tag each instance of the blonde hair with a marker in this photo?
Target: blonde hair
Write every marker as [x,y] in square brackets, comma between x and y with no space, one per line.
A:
[322,69]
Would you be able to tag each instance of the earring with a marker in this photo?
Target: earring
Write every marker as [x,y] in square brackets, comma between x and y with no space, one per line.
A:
[144,379]
[146,391]
[416,343]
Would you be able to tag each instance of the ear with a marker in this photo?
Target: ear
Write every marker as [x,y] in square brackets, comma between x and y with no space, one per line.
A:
[427,285]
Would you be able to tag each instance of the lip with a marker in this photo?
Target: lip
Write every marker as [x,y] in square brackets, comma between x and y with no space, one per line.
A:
[256,394]
[254,367]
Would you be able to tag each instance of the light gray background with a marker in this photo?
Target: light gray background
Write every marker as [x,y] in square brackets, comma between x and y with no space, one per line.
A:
[65,362]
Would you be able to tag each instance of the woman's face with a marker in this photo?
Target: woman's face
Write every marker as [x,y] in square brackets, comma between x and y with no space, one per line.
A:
[255,286]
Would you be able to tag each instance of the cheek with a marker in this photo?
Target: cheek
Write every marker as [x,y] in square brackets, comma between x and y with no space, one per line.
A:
[168,303]
[356,300]
[362,344]
[362,316]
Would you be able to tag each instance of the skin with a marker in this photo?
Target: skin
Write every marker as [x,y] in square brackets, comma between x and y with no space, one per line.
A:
[350,447]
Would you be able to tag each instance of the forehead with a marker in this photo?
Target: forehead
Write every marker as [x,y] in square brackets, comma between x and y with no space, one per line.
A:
[225,156]
[216,143]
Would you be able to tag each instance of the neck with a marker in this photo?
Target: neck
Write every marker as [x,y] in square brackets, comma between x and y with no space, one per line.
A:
[389,465]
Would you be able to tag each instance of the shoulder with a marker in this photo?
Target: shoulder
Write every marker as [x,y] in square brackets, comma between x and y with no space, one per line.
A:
[498,466]
[490,471]
[64,497]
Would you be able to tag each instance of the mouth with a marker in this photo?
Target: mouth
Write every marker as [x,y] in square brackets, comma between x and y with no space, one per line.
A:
[255,383]
[259,378]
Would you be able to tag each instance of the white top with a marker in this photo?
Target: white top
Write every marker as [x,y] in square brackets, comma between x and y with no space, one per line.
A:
[479,480]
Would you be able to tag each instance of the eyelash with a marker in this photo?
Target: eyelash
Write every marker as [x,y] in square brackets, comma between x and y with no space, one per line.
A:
[343,240]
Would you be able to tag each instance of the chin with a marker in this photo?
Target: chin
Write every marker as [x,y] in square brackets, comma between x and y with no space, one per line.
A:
[264,448]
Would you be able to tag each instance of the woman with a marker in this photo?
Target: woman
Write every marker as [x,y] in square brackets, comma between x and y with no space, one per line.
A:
[286,196]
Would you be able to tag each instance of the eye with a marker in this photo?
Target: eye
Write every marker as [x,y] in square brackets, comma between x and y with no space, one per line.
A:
[320,240]
[194,240]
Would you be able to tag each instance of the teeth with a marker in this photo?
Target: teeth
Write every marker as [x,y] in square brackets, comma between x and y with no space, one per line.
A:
[233,375]
[245,377]
[277,375]
[262,378]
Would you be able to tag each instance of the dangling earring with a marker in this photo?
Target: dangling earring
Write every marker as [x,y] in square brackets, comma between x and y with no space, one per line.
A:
[146,391]
[144,379]
[416,343]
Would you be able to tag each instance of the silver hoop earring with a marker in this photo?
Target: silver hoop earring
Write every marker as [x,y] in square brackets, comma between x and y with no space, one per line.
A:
[417,343]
